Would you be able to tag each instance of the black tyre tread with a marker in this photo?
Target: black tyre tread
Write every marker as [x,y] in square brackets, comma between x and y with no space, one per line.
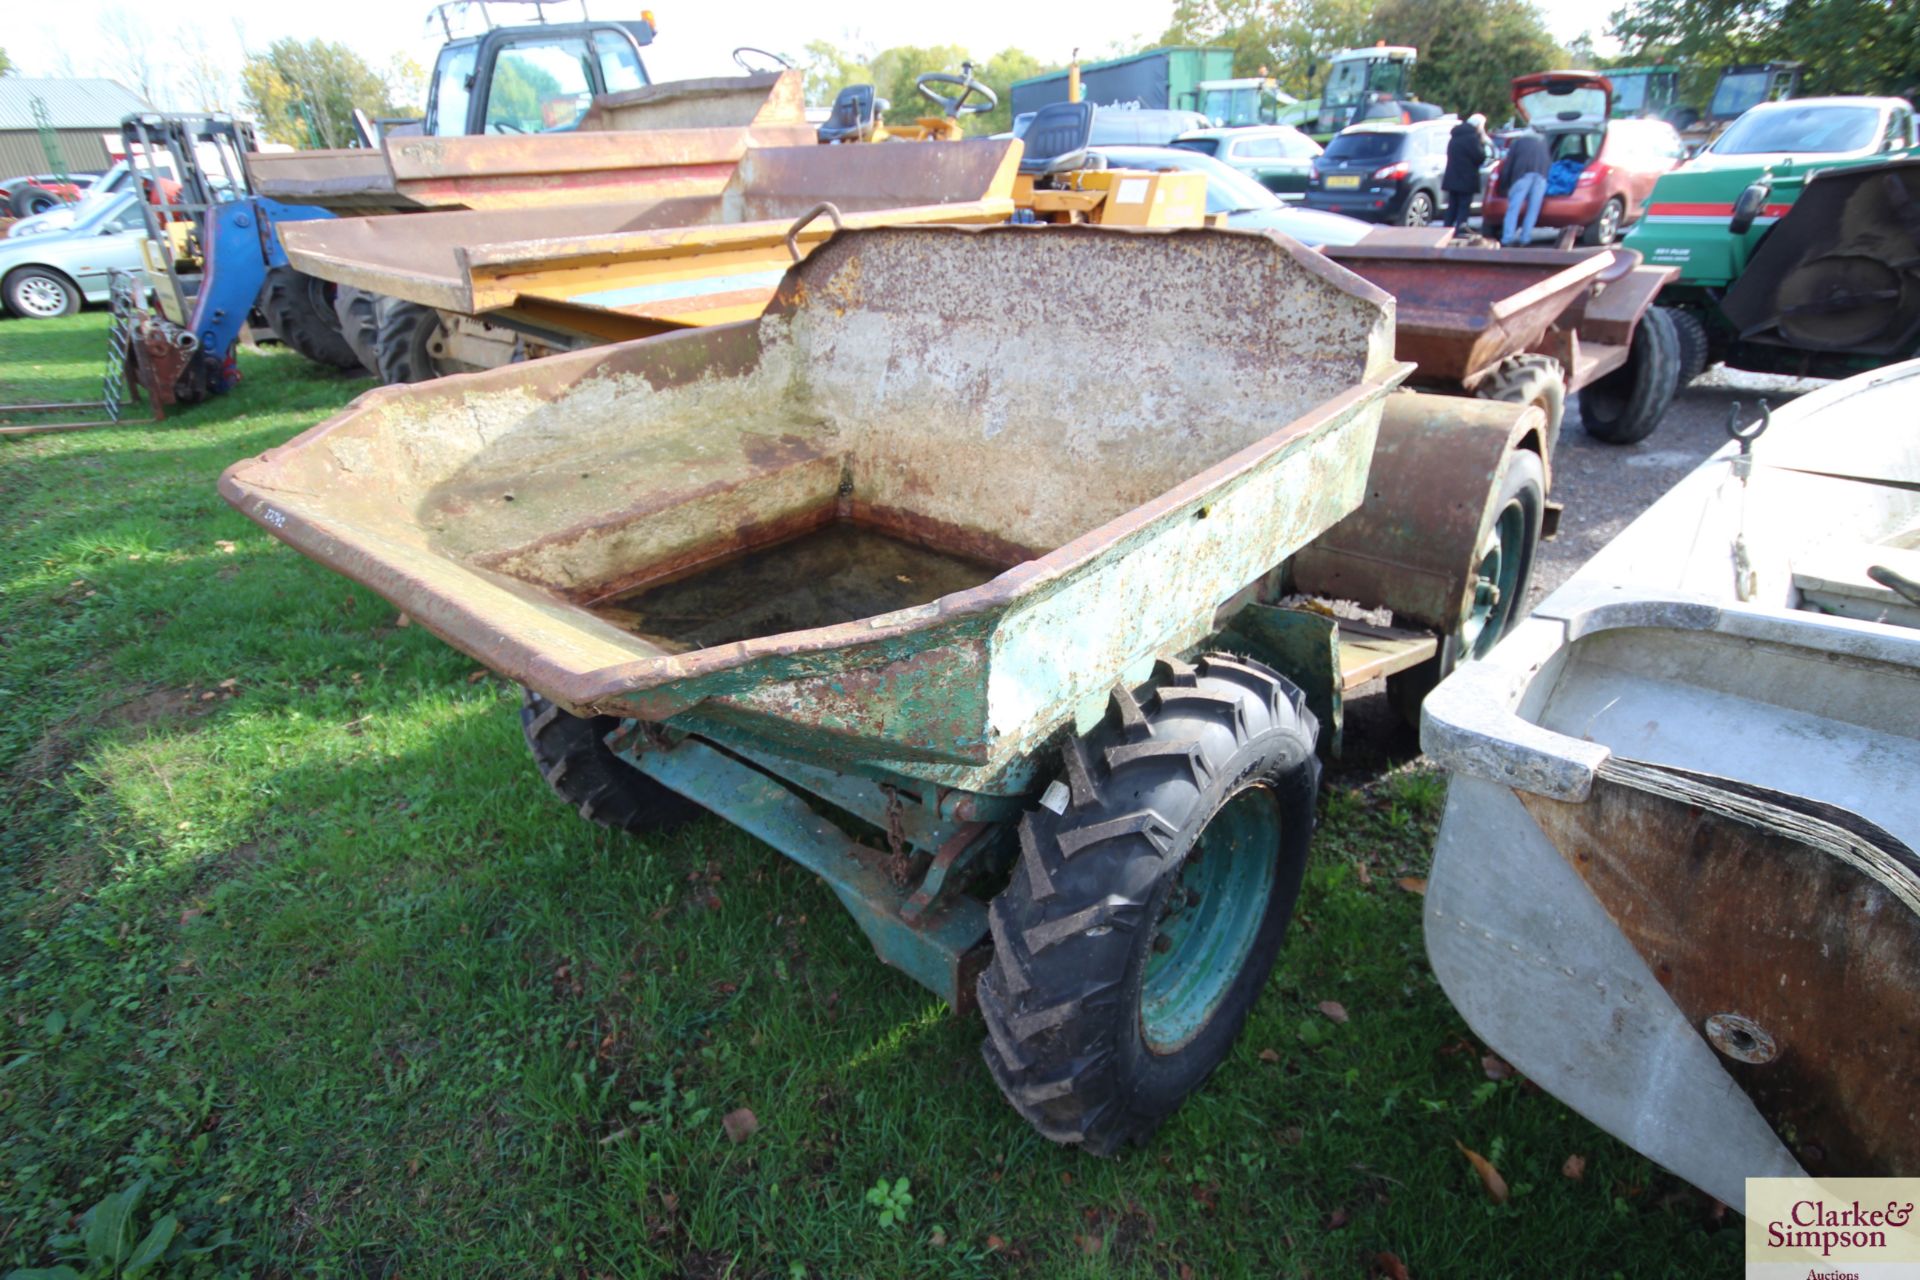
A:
[401,333]
[1625,406]
[1690,331]
[355,309]
[1529,378]
[301,315]
[573,759]
[1053,997]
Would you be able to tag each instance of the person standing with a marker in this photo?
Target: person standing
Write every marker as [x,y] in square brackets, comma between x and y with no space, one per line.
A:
[1466,152]
[1523,179]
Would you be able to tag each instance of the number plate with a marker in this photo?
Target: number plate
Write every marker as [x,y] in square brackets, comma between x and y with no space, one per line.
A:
[1343,182]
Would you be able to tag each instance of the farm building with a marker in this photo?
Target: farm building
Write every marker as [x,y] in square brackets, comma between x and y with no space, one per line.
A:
[80,111]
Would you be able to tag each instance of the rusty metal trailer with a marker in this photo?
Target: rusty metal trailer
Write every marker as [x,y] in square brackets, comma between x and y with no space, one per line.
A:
[1533,326]
[680,137]
[938,546]
[1676,881]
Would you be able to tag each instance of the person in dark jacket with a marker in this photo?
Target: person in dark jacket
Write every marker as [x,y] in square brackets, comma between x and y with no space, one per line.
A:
[1523,180]
[1466,152]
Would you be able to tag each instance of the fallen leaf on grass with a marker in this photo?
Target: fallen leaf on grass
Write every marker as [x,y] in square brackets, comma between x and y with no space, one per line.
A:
[1364,876]
[1575,1168]
[477,676]
[403,621]
[995,1243]
[1496,1067]
[1291,1136]
[1387,1266]
[740,1124]
[1338,1218]
[937,1238]
[1335,1011]
[224,547]
[1413,884]
[1496,1186]
[1269,1055]
[1091,1244]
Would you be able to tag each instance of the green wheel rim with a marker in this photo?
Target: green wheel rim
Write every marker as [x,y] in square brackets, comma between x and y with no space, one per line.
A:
[1496,582]
[1211,917]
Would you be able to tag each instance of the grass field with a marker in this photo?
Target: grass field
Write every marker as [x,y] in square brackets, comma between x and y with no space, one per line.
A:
[293,938]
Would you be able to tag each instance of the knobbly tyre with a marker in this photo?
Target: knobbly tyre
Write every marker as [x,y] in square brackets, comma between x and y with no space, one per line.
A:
[928,560]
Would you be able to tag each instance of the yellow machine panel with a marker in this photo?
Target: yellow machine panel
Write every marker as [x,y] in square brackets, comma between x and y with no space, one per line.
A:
[1136,198]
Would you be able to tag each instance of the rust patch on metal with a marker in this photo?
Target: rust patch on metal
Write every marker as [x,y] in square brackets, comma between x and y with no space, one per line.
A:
[1789,939]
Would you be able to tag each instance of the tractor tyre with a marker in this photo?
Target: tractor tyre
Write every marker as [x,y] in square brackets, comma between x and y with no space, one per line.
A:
[410,342]
[1530,379]
[1625,406]
[1690,331]
[299,310]
[359,325]
[1144,917]
[572,755]
[1503,563]
[30,201]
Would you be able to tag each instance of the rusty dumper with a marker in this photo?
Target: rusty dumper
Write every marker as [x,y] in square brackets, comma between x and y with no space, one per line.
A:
[936,546]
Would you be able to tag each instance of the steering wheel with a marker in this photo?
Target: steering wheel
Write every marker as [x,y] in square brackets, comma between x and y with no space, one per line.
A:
[745,66]
[957,105]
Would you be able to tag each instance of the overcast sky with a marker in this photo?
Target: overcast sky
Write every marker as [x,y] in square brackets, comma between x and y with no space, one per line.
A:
[66,37]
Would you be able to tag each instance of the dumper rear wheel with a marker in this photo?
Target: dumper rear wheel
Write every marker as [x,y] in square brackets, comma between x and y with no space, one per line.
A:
[1625,406]
[1145,915]
[1502,572]
[299,310]
[572,755]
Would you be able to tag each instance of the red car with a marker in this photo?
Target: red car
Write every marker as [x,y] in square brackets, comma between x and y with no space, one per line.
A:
[1604,168]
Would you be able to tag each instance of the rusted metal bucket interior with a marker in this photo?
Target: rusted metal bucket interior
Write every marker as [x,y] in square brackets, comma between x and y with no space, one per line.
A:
[474,260]
[1461,311]
[926,417]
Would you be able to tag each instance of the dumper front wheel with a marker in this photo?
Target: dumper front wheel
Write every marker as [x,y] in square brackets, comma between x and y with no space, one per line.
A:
[1149,905]
[572,755]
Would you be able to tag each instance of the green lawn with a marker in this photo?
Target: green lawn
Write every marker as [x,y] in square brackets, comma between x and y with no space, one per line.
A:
[291,933]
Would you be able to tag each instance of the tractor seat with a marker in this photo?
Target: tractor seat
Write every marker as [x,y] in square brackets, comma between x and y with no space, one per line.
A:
[851,117]
[1057,137]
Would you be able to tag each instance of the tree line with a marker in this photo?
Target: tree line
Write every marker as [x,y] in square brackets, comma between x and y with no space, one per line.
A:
[303,92]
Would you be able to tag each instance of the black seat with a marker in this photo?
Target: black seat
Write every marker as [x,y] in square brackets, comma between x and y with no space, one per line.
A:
[851,119]
[1057,138]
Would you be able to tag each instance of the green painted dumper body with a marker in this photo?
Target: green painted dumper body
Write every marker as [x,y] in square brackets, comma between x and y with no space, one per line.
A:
[1102,461]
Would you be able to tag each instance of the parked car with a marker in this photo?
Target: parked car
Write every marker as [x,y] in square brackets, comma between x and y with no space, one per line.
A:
[1604,169]
[1278,157]
[1115,127]
[1383,172]
[1809,128]
[100,190]
[1246,204]
[52,274]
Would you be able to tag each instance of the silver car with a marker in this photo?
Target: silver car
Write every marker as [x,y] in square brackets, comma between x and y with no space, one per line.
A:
[54,273]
